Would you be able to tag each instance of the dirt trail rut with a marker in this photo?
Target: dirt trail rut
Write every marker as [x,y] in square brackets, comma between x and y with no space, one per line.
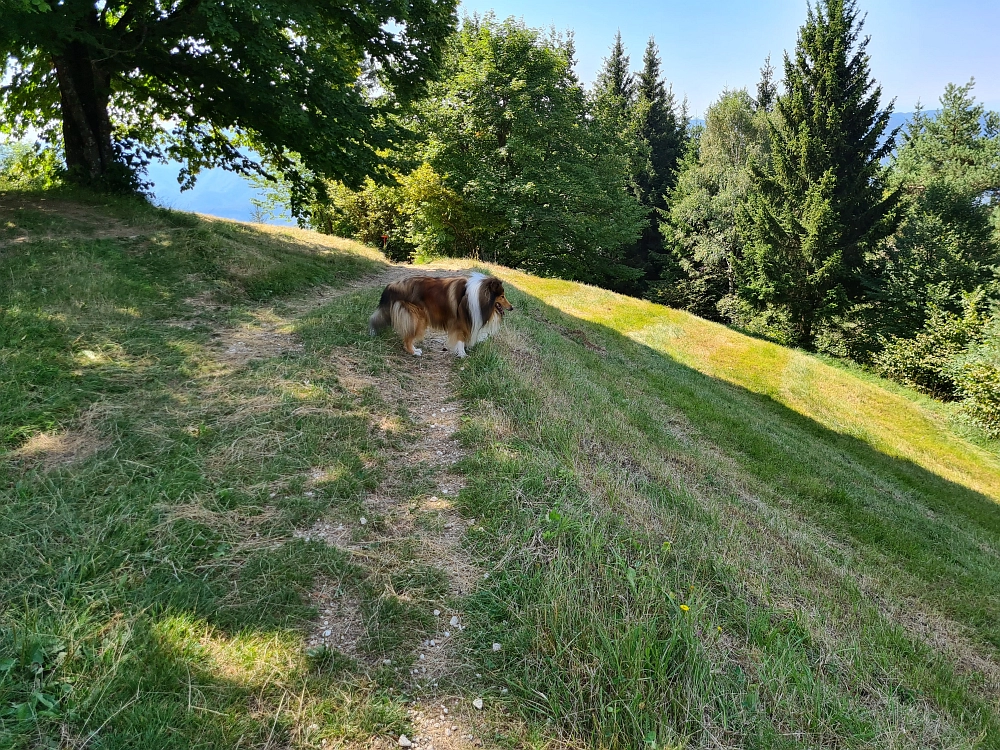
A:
[428,523]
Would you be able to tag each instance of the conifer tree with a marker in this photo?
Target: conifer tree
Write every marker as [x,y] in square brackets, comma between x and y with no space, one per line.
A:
[618,115]
[947,245]
[823,206]
[766,90]
[615,80]
[663,129]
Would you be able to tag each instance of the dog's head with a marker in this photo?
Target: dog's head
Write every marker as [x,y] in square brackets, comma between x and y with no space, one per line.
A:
[493,289]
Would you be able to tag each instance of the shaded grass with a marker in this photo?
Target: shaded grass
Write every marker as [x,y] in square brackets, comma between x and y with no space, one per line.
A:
[83,317]
[152,593]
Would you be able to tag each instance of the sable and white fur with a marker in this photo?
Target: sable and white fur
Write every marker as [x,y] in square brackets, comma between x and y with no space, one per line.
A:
[469,309]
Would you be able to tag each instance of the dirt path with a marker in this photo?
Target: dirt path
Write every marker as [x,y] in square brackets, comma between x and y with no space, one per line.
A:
[428,524]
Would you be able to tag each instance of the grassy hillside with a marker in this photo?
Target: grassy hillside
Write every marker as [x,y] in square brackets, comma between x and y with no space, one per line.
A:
[654,531]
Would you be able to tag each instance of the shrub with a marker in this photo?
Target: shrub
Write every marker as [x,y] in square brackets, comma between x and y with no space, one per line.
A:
[30,166]
[925,362]
[366,214]
[976,373]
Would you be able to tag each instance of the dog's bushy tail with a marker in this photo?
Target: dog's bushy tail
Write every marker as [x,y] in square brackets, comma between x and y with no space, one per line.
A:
[382,317]
[379,320]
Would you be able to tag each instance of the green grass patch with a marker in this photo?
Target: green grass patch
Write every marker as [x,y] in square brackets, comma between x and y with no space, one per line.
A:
[686,562]
[152,591]
[692,538]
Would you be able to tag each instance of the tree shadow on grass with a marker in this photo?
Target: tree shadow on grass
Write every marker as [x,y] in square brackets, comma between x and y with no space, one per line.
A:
[174,551]
[829,636]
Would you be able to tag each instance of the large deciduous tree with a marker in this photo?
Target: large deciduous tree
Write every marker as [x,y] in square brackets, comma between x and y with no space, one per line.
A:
[200,80]
[532,180]
[823,206]
[699,229]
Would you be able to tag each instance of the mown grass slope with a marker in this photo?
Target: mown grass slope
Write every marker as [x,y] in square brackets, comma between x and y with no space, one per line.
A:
[693,538]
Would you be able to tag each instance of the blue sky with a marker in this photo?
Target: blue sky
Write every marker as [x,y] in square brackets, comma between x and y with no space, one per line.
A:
[917,46]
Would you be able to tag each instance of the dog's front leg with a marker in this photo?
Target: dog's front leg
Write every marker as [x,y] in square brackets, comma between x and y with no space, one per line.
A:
[460,349]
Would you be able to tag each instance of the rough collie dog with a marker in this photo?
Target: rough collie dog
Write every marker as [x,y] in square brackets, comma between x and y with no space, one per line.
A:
[467,309]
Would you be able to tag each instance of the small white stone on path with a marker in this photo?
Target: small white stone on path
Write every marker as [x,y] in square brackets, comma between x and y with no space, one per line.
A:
[453,621]
[446,634]
[437,612]
[421,657]
[326,633]
[363,520]
[433,643]
[478,704]
[404,741]
[496,646]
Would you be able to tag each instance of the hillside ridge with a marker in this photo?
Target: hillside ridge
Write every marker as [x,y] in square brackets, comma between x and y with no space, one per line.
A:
[652,530]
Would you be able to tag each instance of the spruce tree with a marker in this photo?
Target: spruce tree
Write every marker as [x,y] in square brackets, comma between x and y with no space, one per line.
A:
[766,90]
[947,246]
[823,206]
[615,112]
[615,80]
[663,129]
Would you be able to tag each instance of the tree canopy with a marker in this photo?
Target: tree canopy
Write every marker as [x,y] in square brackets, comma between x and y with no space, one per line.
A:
[949,170]
[822,206]
[527,177]
[202,81]
[700,228]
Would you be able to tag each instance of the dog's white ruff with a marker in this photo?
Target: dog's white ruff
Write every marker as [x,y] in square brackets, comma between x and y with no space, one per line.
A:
[480,330]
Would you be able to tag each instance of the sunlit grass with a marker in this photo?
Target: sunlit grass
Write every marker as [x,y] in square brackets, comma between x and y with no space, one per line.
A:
[891,423]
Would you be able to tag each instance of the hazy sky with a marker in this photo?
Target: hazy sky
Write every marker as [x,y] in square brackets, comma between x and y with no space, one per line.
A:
[917,46]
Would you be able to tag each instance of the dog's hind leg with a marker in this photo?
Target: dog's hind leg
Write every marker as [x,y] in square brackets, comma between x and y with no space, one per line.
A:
[416,333]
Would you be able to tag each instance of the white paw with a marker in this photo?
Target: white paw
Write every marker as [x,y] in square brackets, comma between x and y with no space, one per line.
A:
[417,352]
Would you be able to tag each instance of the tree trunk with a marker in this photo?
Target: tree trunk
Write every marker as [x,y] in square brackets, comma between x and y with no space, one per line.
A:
[85,90]
[804,330]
